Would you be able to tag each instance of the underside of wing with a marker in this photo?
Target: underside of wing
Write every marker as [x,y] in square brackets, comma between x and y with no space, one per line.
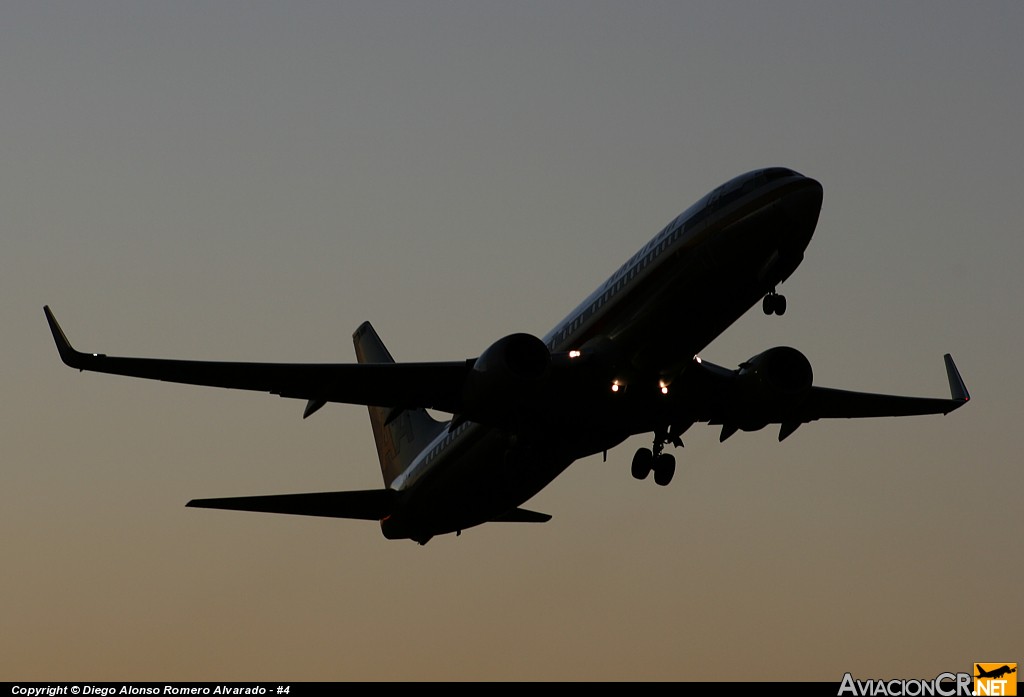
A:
[402,385]
[828,403]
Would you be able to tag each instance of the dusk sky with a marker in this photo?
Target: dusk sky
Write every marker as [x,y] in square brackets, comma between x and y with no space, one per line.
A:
[252,180]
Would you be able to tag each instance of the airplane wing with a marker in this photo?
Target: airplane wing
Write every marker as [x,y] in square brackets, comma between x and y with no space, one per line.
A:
[816,403]
[828,403]
[371,504]
[402,385]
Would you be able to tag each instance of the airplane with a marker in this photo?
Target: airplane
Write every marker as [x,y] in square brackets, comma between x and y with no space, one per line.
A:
[996,674]
[624,362]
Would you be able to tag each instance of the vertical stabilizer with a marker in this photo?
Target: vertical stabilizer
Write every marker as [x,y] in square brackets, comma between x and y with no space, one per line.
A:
[399,435]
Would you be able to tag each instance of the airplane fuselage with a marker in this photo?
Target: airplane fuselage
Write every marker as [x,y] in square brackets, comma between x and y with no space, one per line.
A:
[709,265]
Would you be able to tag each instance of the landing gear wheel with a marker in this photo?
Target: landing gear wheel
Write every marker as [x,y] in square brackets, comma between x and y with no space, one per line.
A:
[780,305]
[774,304]
[643,463]
[664,469]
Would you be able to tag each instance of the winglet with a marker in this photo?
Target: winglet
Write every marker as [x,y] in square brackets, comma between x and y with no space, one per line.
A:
[68,354]
[957,388]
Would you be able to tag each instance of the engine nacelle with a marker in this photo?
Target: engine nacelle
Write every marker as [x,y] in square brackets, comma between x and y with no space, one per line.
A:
[782,371]
[768,384]
[506,379]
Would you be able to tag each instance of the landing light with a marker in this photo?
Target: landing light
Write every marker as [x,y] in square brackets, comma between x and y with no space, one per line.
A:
[574,354]
[615,386]
[697,358]
[664,387]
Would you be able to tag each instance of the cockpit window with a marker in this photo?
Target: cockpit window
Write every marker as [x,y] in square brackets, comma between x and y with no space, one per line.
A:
[731,191]
[752,182]
[735,189]
[778,173]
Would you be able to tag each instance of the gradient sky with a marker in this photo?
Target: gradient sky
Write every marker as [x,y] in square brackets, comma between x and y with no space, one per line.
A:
[250,181]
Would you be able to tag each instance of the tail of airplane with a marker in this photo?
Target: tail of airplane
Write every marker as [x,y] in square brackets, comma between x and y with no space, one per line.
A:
[400,434]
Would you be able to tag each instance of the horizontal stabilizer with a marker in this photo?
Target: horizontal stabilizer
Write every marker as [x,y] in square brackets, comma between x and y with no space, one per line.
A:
[521,515]
[373,504]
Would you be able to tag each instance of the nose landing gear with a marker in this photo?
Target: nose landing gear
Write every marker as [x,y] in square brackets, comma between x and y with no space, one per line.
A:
[774,304]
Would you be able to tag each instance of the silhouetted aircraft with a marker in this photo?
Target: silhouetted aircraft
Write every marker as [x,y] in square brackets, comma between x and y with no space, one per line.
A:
[996,674]
[622,363]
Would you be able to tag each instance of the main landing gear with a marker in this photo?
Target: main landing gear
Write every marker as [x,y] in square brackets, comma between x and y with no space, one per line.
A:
[774,304]
[661,463]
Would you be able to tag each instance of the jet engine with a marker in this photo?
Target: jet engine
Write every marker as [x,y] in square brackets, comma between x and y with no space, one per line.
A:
[768,385]
[506,380]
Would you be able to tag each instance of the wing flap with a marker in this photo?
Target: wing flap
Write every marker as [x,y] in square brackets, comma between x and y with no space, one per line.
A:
[408,385]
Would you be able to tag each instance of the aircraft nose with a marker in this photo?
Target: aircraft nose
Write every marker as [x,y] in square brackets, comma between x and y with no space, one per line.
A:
[802,207]
[815,193]
[809,196]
